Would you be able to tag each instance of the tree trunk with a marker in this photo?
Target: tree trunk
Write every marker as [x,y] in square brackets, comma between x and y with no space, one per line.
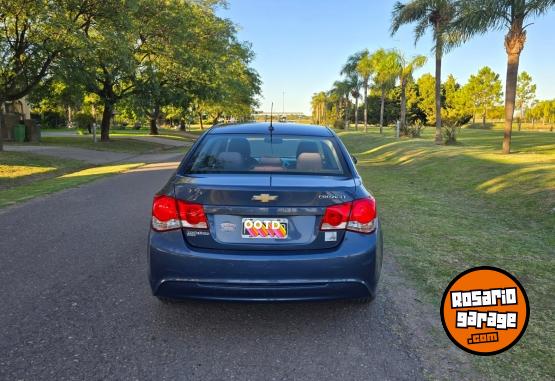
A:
[69,117]
[514,43]
[105,124]
[382,109]
[182,125]
[356,114]
[346,117]
[510,95]
[484,120]
[1,126]
[402,121]
[154,120]
[439,52]
[200,118]
[366,106]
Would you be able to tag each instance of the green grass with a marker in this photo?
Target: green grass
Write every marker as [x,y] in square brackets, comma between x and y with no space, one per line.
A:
[24,176]
[43,187]
[162,133]
[448,208]
[18,168]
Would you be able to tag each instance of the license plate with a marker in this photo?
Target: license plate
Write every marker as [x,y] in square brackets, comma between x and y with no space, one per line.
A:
[275,228]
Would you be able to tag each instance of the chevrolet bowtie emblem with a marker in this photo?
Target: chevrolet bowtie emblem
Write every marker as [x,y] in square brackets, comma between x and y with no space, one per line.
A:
[264,197]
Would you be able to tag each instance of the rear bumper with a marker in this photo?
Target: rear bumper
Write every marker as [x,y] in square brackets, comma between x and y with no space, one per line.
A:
[349,271]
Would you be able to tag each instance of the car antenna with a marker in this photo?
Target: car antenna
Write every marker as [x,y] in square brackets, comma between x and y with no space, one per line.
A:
[271,128]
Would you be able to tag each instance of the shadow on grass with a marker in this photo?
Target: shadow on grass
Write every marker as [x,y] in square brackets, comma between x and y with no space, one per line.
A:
[46,186]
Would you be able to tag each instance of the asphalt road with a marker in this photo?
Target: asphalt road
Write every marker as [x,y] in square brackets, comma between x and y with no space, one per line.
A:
[75,304]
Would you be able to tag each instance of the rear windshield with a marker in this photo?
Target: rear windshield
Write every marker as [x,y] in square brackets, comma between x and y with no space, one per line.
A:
[238,153]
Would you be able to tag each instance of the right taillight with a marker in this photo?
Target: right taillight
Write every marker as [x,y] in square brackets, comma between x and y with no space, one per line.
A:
[358,215]
[169,214]
[363,216]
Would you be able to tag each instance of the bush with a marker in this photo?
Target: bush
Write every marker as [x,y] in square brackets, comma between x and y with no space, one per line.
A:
[449,129]
[414,130]
[339,124]
[83,120]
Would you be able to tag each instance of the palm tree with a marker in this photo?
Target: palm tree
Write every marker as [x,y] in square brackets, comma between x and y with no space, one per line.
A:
[406,69]
[342,89]
[386,71]
[480,16]
[365,70]
[350,70]
[319,106]
[437,15]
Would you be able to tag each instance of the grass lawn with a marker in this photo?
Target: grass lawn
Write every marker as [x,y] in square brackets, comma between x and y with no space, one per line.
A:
[162,133]
[17,168]
[448,208]
[24,175]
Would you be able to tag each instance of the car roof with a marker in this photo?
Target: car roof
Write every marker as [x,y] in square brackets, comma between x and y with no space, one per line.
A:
[279,129]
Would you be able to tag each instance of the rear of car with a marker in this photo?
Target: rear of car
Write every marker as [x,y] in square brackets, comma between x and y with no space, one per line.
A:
[264,214]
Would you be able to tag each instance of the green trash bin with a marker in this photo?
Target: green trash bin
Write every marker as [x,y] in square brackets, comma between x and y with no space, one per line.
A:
[19,133]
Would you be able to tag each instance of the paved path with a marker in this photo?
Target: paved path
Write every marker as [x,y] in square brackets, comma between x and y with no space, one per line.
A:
[87,155]
[94,156]
[59,133]
[76,305]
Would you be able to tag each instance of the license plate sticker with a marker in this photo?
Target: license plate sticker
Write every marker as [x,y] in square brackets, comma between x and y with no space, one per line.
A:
[275,228]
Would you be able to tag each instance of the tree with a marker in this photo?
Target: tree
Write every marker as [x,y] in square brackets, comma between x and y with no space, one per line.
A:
[318,104]
[342,90]
[480,16]
[406,70]
[386,69]
[437,15]
[525,94]
[455,111]
[364,69]
[109,54]
[34,34]
[485,91]
[426,97]
[349,69]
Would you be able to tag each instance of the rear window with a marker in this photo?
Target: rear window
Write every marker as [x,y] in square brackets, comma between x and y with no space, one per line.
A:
[241,153]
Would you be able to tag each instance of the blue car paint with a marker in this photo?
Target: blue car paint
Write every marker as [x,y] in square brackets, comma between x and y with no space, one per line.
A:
[197,266]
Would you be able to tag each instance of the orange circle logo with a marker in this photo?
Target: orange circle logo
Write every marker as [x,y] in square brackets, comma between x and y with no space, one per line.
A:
[485,310]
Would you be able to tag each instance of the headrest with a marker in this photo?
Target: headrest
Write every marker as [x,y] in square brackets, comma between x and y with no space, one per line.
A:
[230,160]
[240,145]
[307,146]
[309,162]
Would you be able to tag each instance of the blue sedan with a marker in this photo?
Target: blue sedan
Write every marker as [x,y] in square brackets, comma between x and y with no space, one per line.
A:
[261,212]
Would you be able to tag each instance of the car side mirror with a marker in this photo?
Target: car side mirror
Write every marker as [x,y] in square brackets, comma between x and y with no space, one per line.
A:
[355,160]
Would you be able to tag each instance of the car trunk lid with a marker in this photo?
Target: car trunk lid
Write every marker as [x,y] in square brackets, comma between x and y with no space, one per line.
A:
[298,201]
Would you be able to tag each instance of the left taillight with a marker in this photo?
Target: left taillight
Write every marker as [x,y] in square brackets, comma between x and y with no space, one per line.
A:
[169,214]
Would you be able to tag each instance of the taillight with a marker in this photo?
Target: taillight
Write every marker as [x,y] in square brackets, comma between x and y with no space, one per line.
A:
[358,216]
[169,213]
[363,215]
[192,215]
[336,217]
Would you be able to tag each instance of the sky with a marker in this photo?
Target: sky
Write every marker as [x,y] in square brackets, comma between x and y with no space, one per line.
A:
[300,46]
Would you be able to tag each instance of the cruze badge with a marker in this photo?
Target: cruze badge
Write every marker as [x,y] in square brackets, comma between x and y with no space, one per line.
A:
[264,197]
